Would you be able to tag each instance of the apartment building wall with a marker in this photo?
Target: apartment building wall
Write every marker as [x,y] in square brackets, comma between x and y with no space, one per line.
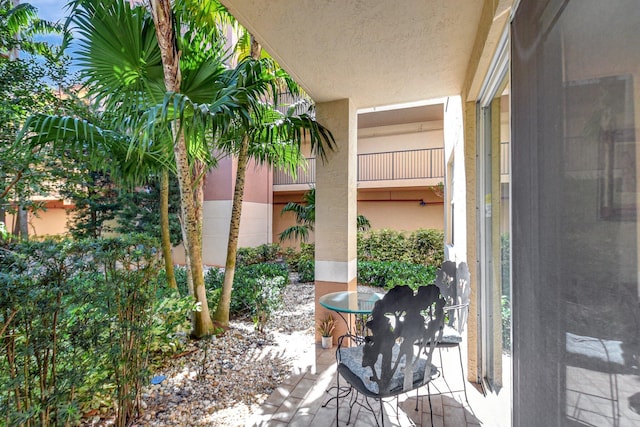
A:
[51,221]
[399,204]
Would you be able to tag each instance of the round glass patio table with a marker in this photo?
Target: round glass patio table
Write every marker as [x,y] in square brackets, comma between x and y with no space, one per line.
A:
[356,303]
[352,302]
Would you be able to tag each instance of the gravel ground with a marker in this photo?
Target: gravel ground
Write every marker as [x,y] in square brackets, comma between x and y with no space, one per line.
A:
[221,381]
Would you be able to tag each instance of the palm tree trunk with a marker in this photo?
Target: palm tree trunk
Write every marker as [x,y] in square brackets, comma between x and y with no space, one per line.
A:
[163,20]
[164,230]
[221,315]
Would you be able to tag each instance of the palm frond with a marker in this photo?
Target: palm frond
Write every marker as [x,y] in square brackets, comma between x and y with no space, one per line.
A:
[295,232]
[81,139]
[20,24]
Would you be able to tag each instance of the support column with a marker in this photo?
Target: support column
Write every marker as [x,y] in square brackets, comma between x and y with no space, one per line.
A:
[336,208]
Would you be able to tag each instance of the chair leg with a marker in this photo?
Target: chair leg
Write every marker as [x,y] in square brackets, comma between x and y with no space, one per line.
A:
[417,399]
[337,396]
[352,401]
[464,379]
[430,407]
[441,362]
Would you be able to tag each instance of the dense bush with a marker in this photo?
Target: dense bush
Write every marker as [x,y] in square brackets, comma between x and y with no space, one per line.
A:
[305,263]
[306,270]
[383,245]
[80,322]
[293,256]
[259,254]
[427,247]
[414,257]
[387,274]
[424,246]
[257,290]
[180,273]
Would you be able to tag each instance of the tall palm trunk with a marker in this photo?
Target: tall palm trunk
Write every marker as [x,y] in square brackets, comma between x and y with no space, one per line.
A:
[221,315]
[164,229]
[163,20]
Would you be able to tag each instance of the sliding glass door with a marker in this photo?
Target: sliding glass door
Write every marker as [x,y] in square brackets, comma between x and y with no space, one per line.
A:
[494,218]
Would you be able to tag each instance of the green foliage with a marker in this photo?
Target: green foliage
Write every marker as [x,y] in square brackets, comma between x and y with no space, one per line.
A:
[26,88]
[427,246]
[170,324]
[506,323]
[306,270]
[96,204]
[291,256]
[305,264]
[388,274]
[505,263]
[139,210]
[424,246]
[19,26]
[268,299]
[383,245]
[180,273]
[258,254]
[257,289]
[305,216]
[80,322]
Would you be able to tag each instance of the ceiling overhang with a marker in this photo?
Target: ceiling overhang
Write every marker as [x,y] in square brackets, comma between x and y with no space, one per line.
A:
[373,52]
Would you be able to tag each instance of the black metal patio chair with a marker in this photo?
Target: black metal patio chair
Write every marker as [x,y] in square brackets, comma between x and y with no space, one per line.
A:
[396,357]
[453,283]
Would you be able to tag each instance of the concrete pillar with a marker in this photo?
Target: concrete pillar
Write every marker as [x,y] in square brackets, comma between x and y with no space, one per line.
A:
[336,207]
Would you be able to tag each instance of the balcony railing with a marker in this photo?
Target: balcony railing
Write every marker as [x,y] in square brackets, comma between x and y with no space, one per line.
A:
[391,165]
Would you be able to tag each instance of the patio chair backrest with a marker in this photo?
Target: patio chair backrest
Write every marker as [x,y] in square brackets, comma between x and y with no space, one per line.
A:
[454,284]
[403,327]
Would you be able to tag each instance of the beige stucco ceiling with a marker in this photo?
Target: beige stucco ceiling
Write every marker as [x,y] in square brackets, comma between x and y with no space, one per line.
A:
[375,52]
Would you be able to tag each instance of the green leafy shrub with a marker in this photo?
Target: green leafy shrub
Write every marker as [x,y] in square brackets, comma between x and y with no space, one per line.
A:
[427,246]
[180,273]
[291,256]
[248,297]
[387,274]
[268,299]
[170,323]
[306,270]
[306,262]
[80,322]
[424,246]
[259,254]
[383,245]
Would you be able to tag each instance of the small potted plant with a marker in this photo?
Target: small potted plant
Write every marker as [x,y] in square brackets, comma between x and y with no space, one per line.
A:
[326,327]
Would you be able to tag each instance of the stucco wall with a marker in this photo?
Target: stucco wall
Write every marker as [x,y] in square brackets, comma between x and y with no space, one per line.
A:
[397,209]
[50,222]
[413,136]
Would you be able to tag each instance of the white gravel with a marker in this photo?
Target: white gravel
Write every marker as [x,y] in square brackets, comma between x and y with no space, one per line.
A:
[223,380]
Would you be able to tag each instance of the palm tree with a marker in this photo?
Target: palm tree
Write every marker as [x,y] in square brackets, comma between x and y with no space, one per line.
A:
[305,214]
[19,26]
[170,92]
[121,61]
[254,125]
